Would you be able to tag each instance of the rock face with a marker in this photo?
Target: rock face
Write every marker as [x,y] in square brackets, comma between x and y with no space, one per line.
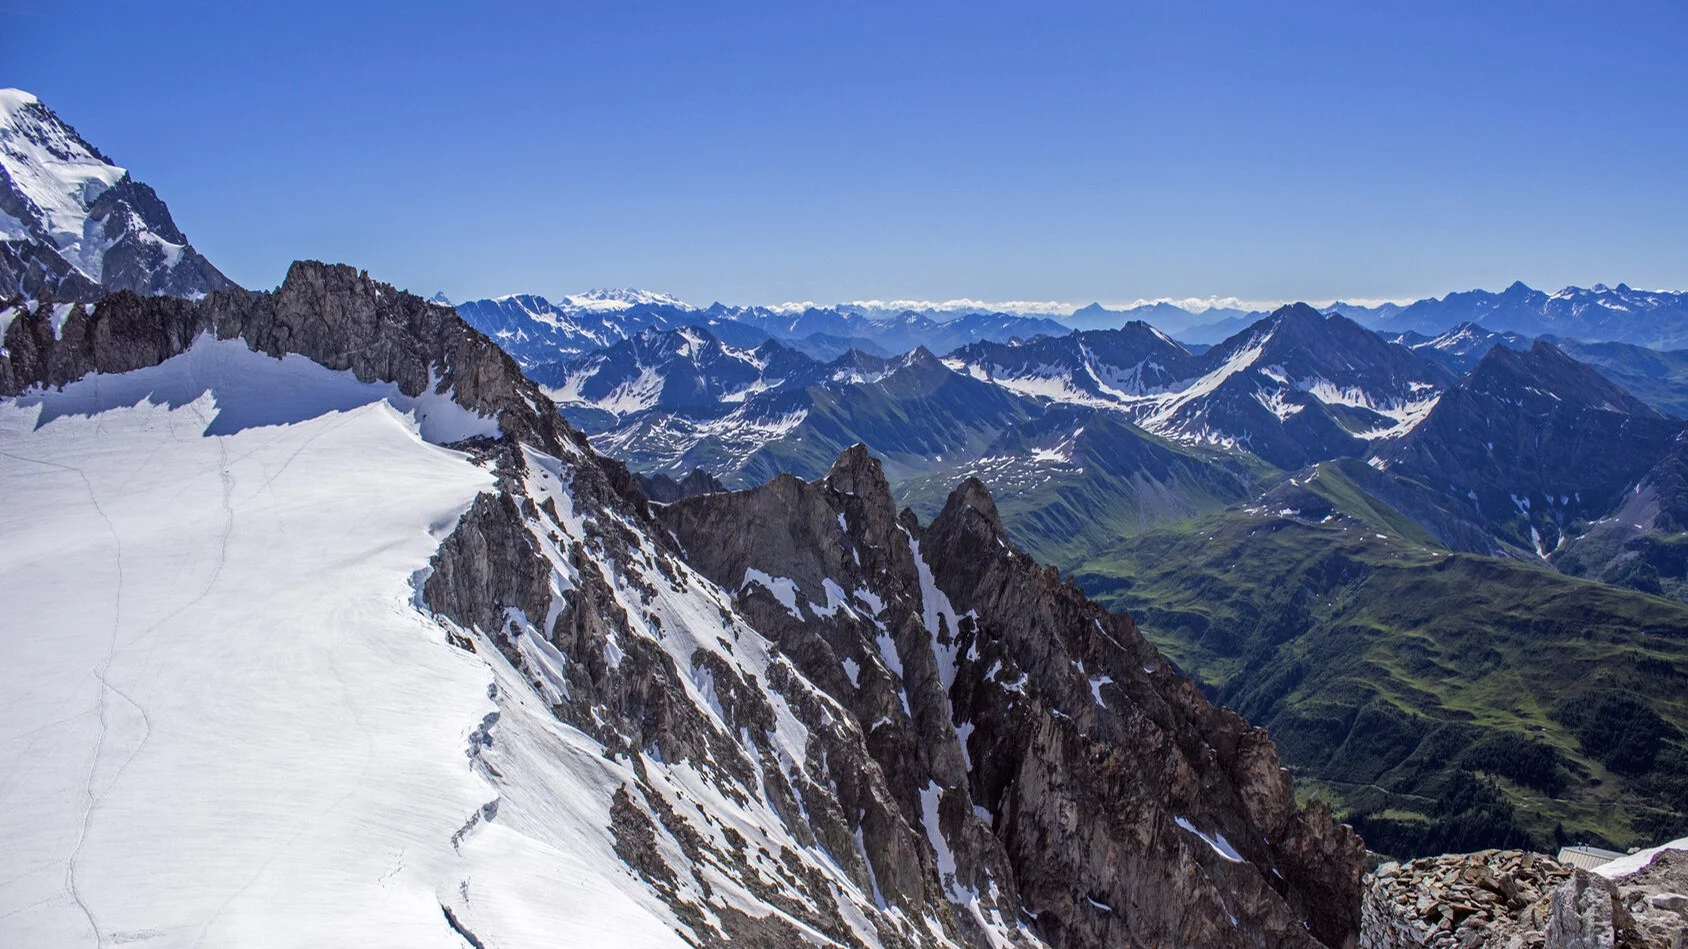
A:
[1512,900]
[1046,745]
[1587,914]
[838,725]
[1652,903]
[666,490]
[332,314]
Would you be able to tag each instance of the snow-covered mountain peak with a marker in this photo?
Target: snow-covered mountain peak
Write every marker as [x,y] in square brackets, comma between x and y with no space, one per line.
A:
[12,100]
[623,298]
[71,221]
[58,176]
[919,356]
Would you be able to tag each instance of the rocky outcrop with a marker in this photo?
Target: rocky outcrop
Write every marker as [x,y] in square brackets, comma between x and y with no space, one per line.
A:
[1517,900]
[1650,906]
[1587,914]
[1199,813]
[146,252]
[1064,763]
[38,272]
[332,314]
[663,489]
[1490,898]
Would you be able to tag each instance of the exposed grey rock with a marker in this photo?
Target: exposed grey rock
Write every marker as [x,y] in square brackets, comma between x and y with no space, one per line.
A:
[1653,897]
[662,488]
[1492,898]
[1082,748]
[1586,913]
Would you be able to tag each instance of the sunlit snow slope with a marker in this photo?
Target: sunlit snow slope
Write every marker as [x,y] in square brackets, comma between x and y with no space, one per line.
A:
[223,721]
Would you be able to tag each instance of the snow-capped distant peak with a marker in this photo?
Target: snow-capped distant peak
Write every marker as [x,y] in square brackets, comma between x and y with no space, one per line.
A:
[620,299]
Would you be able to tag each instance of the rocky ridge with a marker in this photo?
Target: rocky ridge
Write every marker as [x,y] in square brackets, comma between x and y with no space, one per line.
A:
[1005,707]
[1493,897]
[956,749]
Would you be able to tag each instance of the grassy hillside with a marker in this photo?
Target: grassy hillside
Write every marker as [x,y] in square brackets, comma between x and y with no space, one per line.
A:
[911,420]
[1077,481]
[1443,701]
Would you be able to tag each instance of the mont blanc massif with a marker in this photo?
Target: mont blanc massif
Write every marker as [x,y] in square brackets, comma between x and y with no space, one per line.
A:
[339,615]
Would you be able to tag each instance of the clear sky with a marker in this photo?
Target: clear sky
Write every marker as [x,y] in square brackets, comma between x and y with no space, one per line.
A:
[832,151]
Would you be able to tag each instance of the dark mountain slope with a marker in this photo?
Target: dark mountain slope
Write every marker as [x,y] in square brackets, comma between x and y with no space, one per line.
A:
[1656,377]
[1527,445]
[1007,706]
[918,413]
[1643,543]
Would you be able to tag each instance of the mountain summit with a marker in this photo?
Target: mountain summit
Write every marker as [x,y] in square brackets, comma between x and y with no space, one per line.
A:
[74,225]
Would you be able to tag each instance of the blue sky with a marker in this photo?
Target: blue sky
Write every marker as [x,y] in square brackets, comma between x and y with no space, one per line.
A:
[831,151]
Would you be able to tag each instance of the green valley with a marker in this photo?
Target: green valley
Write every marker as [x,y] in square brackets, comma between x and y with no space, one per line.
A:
[1441,700]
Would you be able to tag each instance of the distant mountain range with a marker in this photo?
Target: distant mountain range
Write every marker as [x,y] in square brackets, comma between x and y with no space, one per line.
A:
[1655,318]
[1297,387]
[537,330]
[1293,389]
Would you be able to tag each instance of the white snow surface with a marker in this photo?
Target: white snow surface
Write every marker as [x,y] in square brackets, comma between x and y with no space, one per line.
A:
[225,721]
[249,389]
[784,589]
[1624,866]
[222,721]
[1215,840]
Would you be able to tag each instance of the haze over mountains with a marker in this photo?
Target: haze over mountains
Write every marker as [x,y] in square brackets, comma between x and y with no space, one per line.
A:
[539,330]
[348,615]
